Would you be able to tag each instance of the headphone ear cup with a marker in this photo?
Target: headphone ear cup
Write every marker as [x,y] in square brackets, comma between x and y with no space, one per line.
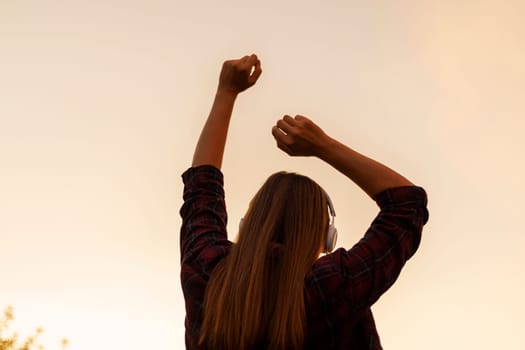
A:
[331,238]
[240,223]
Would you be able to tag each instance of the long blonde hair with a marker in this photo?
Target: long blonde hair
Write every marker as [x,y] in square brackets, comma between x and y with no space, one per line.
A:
[255,295]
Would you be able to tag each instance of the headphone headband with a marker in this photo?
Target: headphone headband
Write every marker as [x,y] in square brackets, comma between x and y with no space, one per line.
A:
[330,205]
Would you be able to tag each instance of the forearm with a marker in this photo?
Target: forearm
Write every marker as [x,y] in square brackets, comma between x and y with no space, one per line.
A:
[370,175]
[210,147]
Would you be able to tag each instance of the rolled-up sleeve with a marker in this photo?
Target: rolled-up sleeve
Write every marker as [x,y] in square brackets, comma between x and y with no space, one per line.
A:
[203,240]
[354,279]
[204,217]
[375,262]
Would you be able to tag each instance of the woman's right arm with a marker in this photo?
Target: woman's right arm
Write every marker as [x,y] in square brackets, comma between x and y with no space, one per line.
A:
[300,136]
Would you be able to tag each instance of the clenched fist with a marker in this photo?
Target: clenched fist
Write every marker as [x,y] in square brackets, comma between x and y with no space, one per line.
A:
[238,75]
[299,136]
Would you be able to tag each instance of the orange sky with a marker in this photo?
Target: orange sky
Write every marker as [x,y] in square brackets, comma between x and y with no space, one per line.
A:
[101,103]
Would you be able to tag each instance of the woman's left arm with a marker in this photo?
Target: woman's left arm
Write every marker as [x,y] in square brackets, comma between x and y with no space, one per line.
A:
[236,76]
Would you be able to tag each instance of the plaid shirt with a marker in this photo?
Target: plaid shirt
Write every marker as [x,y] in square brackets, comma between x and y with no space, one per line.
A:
[341,287]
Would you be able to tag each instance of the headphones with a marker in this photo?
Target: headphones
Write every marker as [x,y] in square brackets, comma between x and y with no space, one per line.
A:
[331,235]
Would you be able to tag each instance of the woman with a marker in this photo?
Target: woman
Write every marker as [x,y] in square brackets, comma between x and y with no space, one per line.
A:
[271,289]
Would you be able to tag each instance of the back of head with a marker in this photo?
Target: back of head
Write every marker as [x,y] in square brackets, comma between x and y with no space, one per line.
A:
[255,295]
[290,211]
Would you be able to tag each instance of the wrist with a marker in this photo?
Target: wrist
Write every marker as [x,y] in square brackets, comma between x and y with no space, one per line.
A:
[326,147]
[226,94]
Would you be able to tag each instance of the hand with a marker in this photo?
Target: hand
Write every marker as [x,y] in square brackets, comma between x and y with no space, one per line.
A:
[299,136]
[237,76]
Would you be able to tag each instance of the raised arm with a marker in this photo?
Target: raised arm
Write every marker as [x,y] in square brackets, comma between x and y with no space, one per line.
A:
[236,76]
[300,136]
[357,277]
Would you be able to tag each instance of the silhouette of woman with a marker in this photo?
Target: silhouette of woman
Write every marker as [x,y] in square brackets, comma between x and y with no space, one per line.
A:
[273,289]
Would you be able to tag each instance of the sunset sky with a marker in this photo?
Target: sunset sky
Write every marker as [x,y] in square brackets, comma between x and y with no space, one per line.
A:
[101,103]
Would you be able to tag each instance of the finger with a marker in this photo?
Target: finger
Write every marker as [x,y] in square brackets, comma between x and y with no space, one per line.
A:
[280,139]
[252,59]
[278,134]
[285,126]
[301,121]
[241,63]
[289,120]
[257,65]
[256,73]
[247,62]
